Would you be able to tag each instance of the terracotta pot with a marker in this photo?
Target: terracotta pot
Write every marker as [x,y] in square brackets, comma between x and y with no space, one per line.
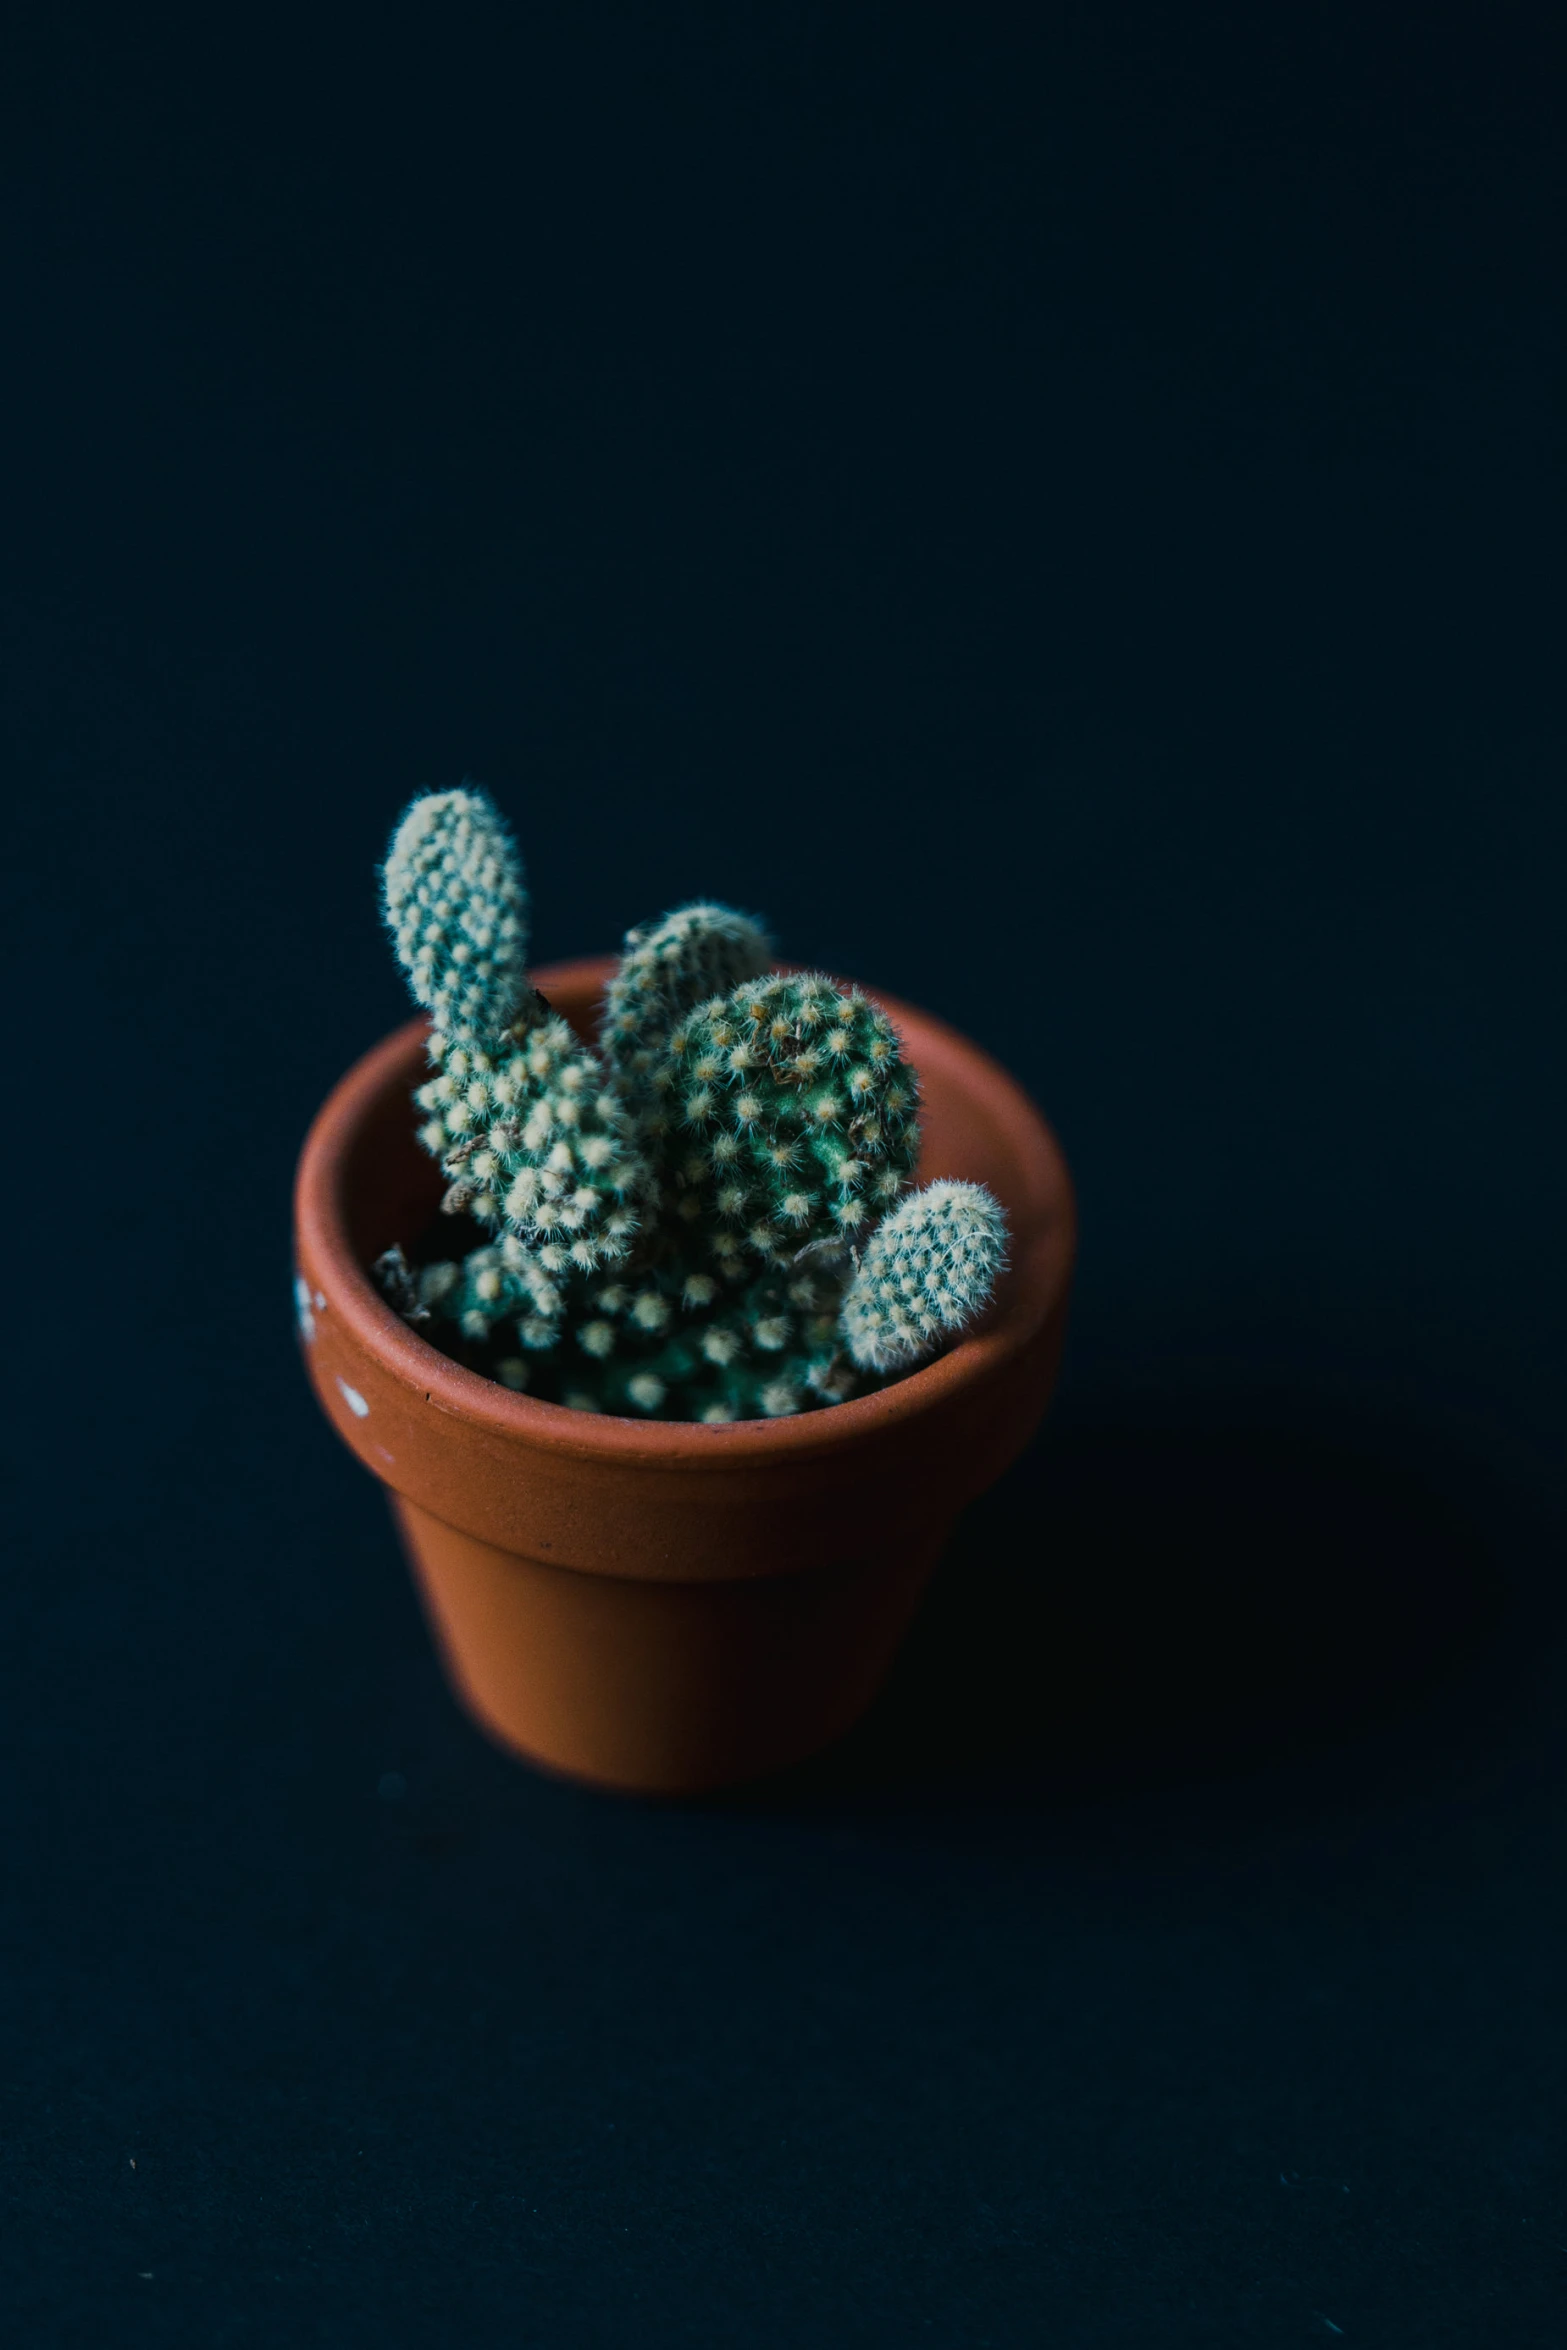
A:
[659,1605]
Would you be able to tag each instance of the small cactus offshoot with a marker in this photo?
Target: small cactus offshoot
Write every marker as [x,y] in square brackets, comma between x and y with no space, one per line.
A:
[707,1218]
[928,1268]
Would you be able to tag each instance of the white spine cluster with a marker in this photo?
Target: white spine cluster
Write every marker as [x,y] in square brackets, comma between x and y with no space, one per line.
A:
[457,909]
[928,1269]
[533,1136]
[535,1139]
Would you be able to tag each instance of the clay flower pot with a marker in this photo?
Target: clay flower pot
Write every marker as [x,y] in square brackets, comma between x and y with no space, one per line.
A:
[661,1605]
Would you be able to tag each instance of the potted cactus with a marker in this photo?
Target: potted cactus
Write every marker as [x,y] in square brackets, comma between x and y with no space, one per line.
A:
[630,1298]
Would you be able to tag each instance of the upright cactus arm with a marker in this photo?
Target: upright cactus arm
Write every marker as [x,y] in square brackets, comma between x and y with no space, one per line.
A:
[458,913]
[535,1139]
[928,1271]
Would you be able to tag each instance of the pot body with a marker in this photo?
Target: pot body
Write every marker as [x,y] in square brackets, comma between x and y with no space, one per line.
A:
[664,1606]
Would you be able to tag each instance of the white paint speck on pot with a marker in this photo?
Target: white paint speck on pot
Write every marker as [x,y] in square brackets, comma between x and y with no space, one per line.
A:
[354,1400]
[306,1319]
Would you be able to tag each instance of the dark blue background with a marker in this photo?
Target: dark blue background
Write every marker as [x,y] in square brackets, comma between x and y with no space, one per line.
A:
[1063,510]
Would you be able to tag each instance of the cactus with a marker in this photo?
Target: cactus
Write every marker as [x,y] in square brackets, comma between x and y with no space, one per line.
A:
[928,1269]
[664,972]
[532,1136]
[459,915]
[706,1219]
[791,1120]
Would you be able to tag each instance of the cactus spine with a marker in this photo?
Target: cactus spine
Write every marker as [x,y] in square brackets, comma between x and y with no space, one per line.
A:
[708,1218]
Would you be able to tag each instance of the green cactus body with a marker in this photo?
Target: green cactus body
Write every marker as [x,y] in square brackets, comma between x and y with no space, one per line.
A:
[771,1349]
[792,1122]
[500,1286]
[458,912]
[534,1139]
[706,1220]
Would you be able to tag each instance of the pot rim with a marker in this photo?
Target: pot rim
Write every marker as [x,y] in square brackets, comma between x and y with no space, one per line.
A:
[1036,1277]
